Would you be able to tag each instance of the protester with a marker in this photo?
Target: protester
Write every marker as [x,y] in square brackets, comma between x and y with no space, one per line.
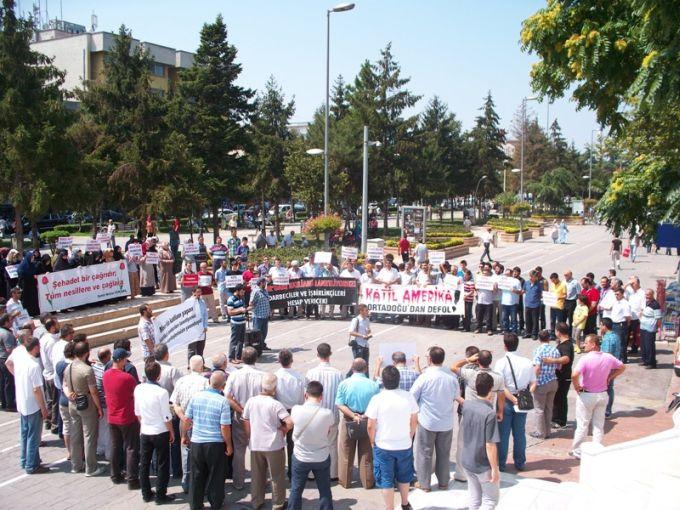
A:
[591,375]
[259,303]
[360,333]
[407,376]
[146,332]
[354,394]
[392,418]
[237,310]
[8,343]
[99,366]
[636,299]
[290,391]
[650,321]
[266,423]
[580,321]
[152,407]
[611,344]
[546,385]
[312,425]
[47,342]
[197,346]
[621,316]
[166,265]
[565,347]
[559,289]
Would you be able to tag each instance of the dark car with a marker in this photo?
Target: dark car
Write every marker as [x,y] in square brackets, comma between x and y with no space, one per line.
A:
[109,214]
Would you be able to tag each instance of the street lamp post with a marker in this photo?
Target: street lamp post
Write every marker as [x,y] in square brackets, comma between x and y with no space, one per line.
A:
[590,161]
[326,180]
[364,191]
[520,236]
[476,190]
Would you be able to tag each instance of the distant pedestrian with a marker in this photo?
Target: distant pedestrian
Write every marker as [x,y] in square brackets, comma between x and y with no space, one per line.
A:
[615,252]
[650,321]
[486,237]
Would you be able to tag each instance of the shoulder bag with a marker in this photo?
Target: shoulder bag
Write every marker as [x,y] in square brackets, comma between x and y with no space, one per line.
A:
[82,402]
[525,400]
[352,339]
[302,430]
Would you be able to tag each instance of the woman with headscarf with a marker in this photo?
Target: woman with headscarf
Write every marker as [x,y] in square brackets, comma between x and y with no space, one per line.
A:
[108,256]
[45,264]
[118,253]
[62,263]
[147,276]
[3,274]
[166,267]
[76,258]
[13,259]
[28,269]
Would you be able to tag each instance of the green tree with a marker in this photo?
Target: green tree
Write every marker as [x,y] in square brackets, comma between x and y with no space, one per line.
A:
[213,111]
[304,173]
[485,152]
[552,188]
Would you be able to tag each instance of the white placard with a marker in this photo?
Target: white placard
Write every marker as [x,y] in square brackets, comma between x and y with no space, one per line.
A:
[179,326]
[322,257]
[282,280]
[349,252]
[22,319]
[93,245]
[12,271]
[152,257]
[232,280]
[484,282]
[205,280]
[64,242]
[549,299]
[103,237]
[375,252]
[387,349]
[135,249]
[436,257]
[508,283]
[83,285]
[190,249]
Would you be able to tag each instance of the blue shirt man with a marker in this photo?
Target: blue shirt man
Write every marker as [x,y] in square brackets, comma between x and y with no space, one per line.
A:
[209,411]
[611,344]
[533,292]
[356,392]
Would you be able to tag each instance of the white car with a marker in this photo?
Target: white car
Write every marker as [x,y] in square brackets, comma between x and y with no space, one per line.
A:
[285,208]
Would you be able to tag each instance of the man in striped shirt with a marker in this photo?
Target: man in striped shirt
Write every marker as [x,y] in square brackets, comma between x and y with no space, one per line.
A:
[406,376]
[237,309]
[330,378]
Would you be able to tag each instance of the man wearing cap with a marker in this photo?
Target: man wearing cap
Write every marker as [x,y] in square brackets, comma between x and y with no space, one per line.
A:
[237,310]
[259,303]
[119,389]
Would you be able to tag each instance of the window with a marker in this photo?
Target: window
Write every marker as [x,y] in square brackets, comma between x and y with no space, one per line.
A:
[158,69]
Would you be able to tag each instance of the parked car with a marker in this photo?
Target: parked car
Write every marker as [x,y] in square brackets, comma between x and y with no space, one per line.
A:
[285,208]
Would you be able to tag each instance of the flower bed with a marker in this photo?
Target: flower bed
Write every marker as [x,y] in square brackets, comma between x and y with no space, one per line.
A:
[510,235]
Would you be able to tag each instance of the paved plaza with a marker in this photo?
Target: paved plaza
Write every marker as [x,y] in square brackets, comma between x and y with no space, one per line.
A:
[640,394]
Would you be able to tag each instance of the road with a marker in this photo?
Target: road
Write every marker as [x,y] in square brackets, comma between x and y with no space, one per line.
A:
[640,393]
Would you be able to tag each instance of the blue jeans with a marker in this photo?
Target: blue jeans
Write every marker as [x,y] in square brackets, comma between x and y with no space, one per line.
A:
[263,326]
[509,317]
[31,431]
[610,402]
[512,422]
[322,476]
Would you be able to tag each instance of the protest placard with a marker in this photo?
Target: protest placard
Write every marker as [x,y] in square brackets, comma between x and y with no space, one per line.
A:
[314,291]
[93,245]
[134,249]
[12,271]
[436,257]
[190,280]
[178,326]
[550,299]
[484,282]
[348,252]
[412,300]
[152,257]
[508,283]
[322,257]
[282,279]
[375,252]
[64,242]
[190,248]
[385,351]
[103,237]
[232,280]
[205,280]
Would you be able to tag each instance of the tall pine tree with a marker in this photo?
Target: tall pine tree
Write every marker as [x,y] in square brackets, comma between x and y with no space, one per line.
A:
[485,152]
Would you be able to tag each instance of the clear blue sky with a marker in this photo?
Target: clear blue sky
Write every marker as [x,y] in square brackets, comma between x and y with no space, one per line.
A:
[456,49]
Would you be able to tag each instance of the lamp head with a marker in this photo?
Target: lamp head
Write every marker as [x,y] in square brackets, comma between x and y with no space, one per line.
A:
[343,7]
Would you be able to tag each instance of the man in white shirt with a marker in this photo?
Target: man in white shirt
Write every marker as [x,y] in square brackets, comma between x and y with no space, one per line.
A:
[66,333]
[266,424]
[271,239]
[152,407]
[509,304]
[388,275]
[311,436]
[276,272]
[290,391]
[241,387]
[47,342]
[330,378]
[435,391]
[360,333]
[31,406]
[486,236]
[15,309]
[621,316]
[484,303]
[637,300]
[518,374]
[392,418]
[420,252]
[349,271]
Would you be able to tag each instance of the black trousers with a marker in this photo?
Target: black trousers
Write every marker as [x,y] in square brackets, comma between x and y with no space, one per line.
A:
[124,438]
[160,445]
[467,320]
[176,451]
[7,387]
[520,313]
[484,314]
[648,347]
[542,317]
[208,465]
[569,307]
[533,320]
[591,325]
[195,348]
[560,405]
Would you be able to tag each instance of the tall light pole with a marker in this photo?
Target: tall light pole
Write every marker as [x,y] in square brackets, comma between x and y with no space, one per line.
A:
[520,236]
[364,191]
[326,180]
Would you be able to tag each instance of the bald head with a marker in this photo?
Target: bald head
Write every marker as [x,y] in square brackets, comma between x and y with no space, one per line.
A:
[104,355]
[269,384]
[359,366]
[218,380]
[196,363]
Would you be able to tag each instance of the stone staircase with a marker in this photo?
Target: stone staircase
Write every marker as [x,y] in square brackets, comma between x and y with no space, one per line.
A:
[108,323]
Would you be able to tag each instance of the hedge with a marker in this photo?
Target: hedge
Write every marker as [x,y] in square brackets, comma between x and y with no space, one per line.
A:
[74,228]
[436,244]
[448,233]
[52,236]
[510,223]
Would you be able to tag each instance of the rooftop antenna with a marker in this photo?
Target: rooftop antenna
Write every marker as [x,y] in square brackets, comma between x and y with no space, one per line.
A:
[93,22]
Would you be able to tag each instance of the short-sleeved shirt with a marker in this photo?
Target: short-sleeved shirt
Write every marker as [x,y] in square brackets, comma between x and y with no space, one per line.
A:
[532,294]
[560,290]
[404,245]
[145,331]
[594,369]
[27,377]
[330,378]
[392,410]
[208,410]
[360,325]
[78,377]
[563,372]
[547,372]
[265,414]
[509,298]
[356,392]
[593,296]
[479,428]
[244,384]
[310,433]
[611,343]
[523,370]
[435,391]
[186,387]
[119,389]
[234,303]
[406,378]
[650,316]
[469,375]
[152,405]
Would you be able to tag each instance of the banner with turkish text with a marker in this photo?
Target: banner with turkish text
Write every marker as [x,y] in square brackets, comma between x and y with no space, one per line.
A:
[179,326]
[412,299]
[313,291]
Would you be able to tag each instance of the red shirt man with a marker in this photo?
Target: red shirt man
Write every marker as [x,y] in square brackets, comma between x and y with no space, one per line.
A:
[404,246]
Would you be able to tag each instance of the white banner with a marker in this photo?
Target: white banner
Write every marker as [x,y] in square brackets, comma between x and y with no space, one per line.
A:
[484,282]
[508,283]
[387,349]
[349,252]
[179,326]
[64,242]
[190,249]
[83,285]
[12,271]
[374,253]
[282,280]
[232,280]
[152,257]
[322,257]
[135,250]
[436,258]
[549,299]
[412,300]
[205,280]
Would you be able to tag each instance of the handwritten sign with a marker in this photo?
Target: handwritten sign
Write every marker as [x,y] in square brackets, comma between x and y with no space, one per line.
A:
[375,252]
[508,283]
[484,282]
[135,250]
[348,252]
[93,245]
[205,280]
[550,299]
[232,280]
[103,237]
[281,280]
[190,248]
[322,257]
[190,280]
[152,257]
[64,242]
[12,271]
[387,349]
[437,258]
